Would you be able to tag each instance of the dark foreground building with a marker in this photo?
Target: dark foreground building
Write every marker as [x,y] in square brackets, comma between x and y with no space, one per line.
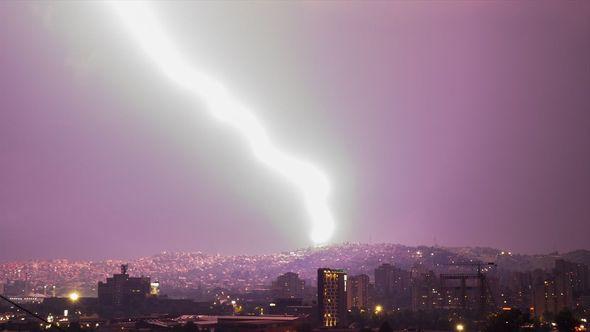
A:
[123,290]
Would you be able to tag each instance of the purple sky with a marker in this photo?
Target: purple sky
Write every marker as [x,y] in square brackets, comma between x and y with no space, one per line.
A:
[449,123]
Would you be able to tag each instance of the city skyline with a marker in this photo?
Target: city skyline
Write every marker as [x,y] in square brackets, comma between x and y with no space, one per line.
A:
[374,285]
[457,125]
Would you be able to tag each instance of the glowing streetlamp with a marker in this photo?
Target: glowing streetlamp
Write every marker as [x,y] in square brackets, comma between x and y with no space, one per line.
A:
[74,296]
[459,327]
[378,309]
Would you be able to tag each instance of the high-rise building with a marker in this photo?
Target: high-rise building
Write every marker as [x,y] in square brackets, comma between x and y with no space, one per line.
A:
[392,286]
[332,297]
[516,290]
[122,289]
[424,289]
[358,292]
[574,273]
[15,288]
[288,286]
[383,278]
[551,296]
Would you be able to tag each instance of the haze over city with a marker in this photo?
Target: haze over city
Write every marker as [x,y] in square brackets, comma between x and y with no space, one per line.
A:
[455,124]
[294,166]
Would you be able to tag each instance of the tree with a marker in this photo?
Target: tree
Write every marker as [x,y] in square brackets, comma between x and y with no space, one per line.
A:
[190,326]
[385,327]
[565,321]
[505,321]
[74,327]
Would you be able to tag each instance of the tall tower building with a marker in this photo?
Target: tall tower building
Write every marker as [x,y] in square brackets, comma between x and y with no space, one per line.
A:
[392,286]
[358,292]
[425,290]
[551,296]
[332,297]
[288,286]
[383,279]
[573,273]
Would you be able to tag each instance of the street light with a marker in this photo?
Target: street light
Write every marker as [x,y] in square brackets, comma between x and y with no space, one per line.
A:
[378,309]
[460,327]
[74,296]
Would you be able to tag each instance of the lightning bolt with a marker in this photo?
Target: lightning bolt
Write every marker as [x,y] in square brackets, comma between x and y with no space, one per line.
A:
[144,27]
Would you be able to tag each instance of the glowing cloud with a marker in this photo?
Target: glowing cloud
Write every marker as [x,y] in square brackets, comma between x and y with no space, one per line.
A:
[145,29]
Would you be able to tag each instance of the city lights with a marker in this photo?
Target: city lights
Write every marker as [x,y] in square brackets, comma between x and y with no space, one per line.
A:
[261,166]
[338,293]
[144,27]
